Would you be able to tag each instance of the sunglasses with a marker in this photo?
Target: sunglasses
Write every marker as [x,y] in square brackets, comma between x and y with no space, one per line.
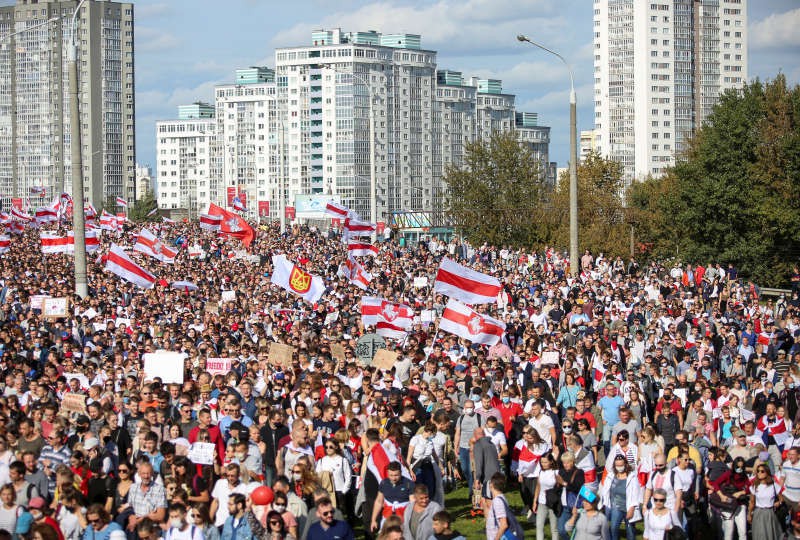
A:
[660,500]
[326,514]
[274,522]
[330,448]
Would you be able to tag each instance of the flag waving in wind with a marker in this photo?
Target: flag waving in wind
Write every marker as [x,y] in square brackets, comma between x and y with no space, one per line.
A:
[233,225]
[390,319]
[355,273]
[149,244]
[337,210]
[118,262]
[238,205]
[289,276]
[122,202]
[465,284]
[460,320]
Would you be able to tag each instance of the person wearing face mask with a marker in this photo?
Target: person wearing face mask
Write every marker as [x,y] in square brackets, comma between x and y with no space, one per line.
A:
[509,411]
[179,529]
[423,459]
[620,493]
[466,425]
[41,515]
[224,488]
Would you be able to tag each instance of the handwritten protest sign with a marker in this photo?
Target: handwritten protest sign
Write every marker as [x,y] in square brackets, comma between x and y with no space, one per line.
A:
[37,300]
[281,355]
[337,351]
[331,318]
[384,359]
[219,365]
[420,282]
[55,307]
[202,453]
[74,403]
[166,365]
[550,357]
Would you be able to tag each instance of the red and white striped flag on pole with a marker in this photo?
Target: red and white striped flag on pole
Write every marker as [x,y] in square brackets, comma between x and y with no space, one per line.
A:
[210,223]
[122,202]
[152,212]
[355,273]
[375,310]
[5,243]
[337,210]
[53,243]
[465,284]
[460,320]
[378,462]
[18,214]
[362,249]
[353,228]
[149,244]
[118,262]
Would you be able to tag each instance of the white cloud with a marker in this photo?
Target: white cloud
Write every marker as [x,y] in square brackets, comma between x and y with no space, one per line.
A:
[776,31]
[152,40]
[144,11]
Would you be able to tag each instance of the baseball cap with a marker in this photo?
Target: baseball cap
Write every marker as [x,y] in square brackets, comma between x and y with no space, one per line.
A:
[37,503]
[90,443]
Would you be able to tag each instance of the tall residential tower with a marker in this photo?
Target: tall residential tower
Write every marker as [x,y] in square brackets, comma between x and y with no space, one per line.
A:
[659,69]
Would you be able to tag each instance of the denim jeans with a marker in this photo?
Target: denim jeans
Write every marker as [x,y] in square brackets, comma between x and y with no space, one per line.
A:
[615,518]
[566,513]
[466,467]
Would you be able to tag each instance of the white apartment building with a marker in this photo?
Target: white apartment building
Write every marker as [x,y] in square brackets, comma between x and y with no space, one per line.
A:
[659,68]
[35,145]
[144,181]
[184,163]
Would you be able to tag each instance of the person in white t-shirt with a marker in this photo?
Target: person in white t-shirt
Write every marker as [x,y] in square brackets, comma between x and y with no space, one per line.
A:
[178,528]
[542,423]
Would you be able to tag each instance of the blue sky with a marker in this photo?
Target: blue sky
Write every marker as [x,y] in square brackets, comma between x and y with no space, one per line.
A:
[185,47]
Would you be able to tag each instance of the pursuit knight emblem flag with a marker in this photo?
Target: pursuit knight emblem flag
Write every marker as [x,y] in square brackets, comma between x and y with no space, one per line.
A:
[299,281]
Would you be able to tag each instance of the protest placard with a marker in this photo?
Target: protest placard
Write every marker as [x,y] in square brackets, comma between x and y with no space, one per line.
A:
[82,380]
[166,365]
[550,357]
[427,315]
[202,453]
[218,365]
[384,359]
[54,308]
[337,351]
[331,318]
[229,296]
[281,355]
[420,282]
[37,301]
[90,313]
[74,403]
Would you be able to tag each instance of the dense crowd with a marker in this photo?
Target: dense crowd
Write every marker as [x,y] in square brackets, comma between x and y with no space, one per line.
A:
[631,399]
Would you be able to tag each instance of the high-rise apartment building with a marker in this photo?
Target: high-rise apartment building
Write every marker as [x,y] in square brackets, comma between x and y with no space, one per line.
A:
[35,145]
[659,69]
[304,128]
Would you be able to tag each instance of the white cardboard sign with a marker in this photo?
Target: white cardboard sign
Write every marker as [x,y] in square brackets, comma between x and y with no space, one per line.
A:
[166,365]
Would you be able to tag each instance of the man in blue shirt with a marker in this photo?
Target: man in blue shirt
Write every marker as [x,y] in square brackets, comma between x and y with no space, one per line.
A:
[609,404]
[328,527]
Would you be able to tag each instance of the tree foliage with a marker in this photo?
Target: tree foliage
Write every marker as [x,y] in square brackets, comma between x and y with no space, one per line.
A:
[602,218]
[141,208]
[735,194]
[497,197]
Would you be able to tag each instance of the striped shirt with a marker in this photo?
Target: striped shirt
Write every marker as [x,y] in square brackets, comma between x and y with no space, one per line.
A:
[56,457]
[791,480]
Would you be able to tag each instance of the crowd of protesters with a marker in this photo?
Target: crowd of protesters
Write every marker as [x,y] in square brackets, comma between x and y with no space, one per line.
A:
[630,399]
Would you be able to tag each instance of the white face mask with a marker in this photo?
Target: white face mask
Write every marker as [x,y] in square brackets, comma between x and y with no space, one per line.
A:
[281,508]
[297,477]
[176,523]
[620,468]
[356,410]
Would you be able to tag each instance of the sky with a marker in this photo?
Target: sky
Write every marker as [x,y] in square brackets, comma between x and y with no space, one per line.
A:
[186,47]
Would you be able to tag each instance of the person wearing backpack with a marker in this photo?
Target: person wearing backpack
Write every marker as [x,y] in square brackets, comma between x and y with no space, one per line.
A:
[501,524]
[179,529]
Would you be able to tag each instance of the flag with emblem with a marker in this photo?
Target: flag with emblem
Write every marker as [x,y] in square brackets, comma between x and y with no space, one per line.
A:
[462,321]
[149,244]
[289,276]
[238,205]
[233,225]
[465,284]
[118,262]
[355,273]
[375,310]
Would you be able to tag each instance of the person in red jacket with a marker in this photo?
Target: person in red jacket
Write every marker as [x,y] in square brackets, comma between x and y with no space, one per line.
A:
[215,437]
[508,411]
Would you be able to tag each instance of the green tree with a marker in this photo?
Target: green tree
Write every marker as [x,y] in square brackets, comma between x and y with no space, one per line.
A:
[734,195]
[497,196]
[602,219]
[141,208]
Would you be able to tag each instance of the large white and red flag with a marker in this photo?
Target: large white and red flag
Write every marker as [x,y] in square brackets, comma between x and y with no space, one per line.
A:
[462,321]
[465,284]
[210,223]
[289,276]
[118,262]
[5,243]
[108,222]
[149,244]
[91,239]
[375,309]
[15,227]
[354,228]
[53,242]
[337,210]
[49,213]
[355,273]
[378,462]
[233,225]
[361,249]
[122,202]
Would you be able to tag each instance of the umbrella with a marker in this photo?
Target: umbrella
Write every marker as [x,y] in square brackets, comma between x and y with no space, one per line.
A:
[186,285]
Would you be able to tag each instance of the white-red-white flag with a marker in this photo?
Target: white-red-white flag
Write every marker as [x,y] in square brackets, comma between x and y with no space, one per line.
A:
[355,273]
[149,244]
[118,262]
[108,222]
[53,242]
[91,240]
[167,220]
[337,210]
[375,310]
[122,202]
[465,284]
[462,321]
[238,205]
[38,191]
[15,227]
[18,214]
[210,223]
[152,212]
[5,243]
[355,228]
[361,249]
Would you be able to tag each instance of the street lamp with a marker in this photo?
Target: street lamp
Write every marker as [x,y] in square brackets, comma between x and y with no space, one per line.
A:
[573,161]
[373,187]
[78,219]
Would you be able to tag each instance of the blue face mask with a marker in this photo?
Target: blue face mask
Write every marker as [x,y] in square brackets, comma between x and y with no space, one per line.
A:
[506,400]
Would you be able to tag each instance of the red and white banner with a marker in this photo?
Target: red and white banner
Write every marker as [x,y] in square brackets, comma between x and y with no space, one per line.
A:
[379,459]
[233,225]
[18,214]
[118,262]
[355,273]
[362,249]
[354,228]
[336,210]
[109,222]
[263,208]
[91,238]
[15,227]
[5,243]
[289,276]
[54,243]
[465,284]
[149,244]
[210,223]
[122,202]
[460,320]
[375,309]
[47,214]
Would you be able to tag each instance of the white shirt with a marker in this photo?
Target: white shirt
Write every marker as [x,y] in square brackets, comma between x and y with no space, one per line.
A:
[765,495]
[191,532]
[423,448]
[340,471]
[498,438]
[222,491]
[542,425]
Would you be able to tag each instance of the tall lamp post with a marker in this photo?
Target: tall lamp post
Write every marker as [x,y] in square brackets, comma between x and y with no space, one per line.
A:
[373,186]
[78,219]
[573,160]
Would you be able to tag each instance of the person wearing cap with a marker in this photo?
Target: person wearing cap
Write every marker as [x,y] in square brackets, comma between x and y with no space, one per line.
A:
[41,513]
